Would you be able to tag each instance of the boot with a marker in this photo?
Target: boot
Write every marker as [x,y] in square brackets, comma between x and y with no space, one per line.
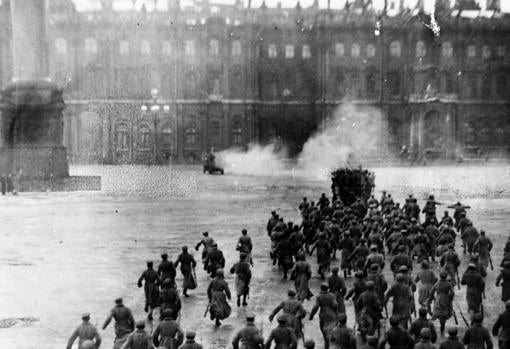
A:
[244,301]
[238,301]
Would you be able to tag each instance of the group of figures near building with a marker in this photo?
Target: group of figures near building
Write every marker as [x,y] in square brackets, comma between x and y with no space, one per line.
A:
[372,236]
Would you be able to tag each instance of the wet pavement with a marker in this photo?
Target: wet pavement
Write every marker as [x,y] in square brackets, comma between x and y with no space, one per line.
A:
[66,253]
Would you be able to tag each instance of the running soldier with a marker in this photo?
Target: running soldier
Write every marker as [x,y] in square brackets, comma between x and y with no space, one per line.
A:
[168,333]
[370,315]
[188,264]
[483,246]
[294,311]
[250,336]
[503,280]
[475,288]
[124,323]
[283,336]
[341,336]
[379,281]
[403,301]
[218,293]
[396,337]
[323,254]
[86,331]
[150,288]
[427,280]
[424,342]
[442,294]
[244,245]
[166,269]
[501,327]
[242,279]
[421,323]
[284,254]
[207,241]
[139,339]
[214,260]
[326,302]
[469,237]
[301,274]
[190,341]
[477,336]
[450,263]
[169,299]
[337,287]
[452,342]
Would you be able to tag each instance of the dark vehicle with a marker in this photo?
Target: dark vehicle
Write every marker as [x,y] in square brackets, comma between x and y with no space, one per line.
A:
[209,162]
[352,184]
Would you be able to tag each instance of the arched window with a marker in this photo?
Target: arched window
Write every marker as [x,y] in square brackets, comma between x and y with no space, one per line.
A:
[447,50]
[237,133]
[289,51]
[166,48]
[486,52]
[370,81]
[167,137]
[236,48]
[90,46]
[471,51]
[421,49]
[355,50]
[214,47]
[501,86]
[271,51]
[60,46]
[145,47]
[395,49]
[307,53]
[339,49]
[124,47]
[371,50]
[143,137]
[121,136]
[191,133]
[486,86]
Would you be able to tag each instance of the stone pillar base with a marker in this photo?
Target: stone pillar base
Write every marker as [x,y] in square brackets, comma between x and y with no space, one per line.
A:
[37,162]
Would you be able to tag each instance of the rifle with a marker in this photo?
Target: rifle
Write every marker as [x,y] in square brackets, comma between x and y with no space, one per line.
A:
[455,317]
[490,262]
[207,309]
[463,317]
[458,279]
[386,311]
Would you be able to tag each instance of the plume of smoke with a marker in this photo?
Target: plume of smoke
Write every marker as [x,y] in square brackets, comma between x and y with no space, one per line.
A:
[351,135]
[258,160]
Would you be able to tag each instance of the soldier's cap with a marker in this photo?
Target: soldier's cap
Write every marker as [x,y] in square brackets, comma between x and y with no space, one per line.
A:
[374,267]
[243,255]
[150,262]
[394,320]
[413,219]
[402,268]
[507,304]
[309,344]
[358,274]
[362,240]
[451,247]
[205,233]
[167,313]
[422,312]
[342,318]
[373,247]
[291,293]
[335,270]
[164,255]
[471,266]
[214,244]
[190,335]
[167,282]
[372,340]
[370,284]
[282,319]
[452,331]
[425,333]
[401,248]
[478,317]
[324,286]
[443,274]
[88,344]
[244,231]
[425,264]
[250,316]
[118,301]
[475,256]
[482,232]
[219,272]
[85,315]
[400,277]
[273,212]
[140,324]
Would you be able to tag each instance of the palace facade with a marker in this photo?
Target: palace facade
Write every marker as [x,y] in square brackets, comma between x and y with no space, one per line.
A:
[164,86]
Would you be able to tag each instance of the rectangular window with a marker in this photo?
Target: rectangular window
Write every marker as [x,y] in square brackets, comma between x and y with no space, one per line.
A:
[236,48]
[307,53]
[124,47]
[394,83]
[166,48]
[189,48]
[271,51]
[339,50]
[145,47]
[289,51]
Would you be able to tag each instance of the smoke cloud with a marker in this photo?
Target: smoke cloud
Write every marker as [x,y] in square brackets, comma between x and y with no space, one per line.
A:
[349,137]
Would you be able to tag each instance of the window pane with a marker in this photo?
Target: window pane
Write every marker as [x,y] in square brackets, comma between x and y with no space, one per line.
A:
[339,50]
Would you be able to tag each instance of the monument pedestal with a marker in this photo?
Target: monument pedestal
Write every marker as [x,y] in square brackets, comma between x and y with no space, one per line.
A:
[31,136]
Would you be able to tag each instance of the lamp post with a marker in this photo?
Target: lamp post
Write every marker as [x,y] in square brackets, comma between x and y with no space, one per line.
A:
[153,109]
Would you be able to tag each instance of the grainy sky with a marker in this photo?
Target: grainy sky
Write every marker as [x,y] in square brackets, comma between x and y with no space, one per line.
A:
[160,4]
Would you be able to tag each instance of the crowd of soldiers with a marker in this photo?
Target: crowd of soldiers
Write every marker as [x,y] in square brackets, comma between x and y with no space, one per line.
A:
[366,237]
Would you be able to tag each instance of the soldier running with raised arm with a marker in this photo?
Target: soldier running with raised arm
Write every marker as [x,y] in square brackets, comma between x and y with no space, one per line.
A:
[249,336]
[326,302]
[124,323]
[242,279]
[294,311]
[86,331]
